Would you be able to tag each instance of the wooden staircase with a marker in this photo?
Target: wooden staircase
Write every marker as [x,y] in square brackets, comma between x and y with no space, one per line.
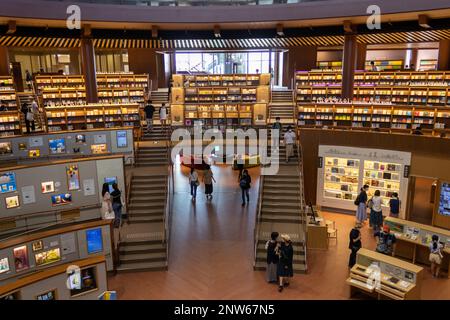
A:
[282,105]
[149,156]
[158,134]
[158,97]
[147,209]
[39,122]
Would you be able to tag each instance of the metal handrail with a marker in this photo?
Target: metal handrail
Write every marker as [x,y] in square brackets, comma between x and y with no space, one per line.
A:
[302,198]
[258,217]
[168,206]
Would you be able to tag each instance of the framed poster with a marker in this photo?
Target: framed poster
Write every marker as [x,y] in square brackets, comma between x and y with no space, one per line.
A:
[4,265]
[5,148]
[122,141]
[57,146]
[94,240]
[68,244]
[21,261]
[28,195]
[73,177]
[22,146]
[46,296]
[80,138]
[88,282]
[110,181]
[37,245]
[7,182]
[34,153]
[99,148]
[47,187]
[89,187]
[12,202]
[47,257]
[99,138]
[444,199]
[61,199]
[36,142]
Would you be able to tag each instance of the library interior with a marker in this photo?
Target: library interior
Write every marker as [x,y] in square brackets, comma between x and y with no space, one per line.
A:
[225,149]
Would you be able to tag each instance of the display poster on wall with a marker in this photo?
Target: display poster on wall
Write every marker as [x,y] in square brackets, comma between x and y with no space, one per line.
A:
[80,138]
[61,199]
[7,182]
[21,261]
[4,265]
[68,244]
[99,138]
[12,202]
[444,199]
[47,187]
[36,142]
[73,177]
[57,146]
[5,148]
[110,181]
[89,187]
[28,195]
[122,139]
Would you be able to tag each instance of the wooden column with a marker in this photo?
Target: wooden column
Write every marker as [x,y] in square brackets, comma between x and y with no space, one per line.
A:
[4,61]
[348,65]
[361,52]
[413,60]
[88,69]
[144,61]
[298,58]
[444,55]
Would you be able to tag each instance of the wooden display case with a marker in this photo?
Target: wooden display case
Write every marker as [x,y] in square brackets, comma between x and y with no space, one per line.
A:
[8,93]
[10,123]
[413,240]
[385,277]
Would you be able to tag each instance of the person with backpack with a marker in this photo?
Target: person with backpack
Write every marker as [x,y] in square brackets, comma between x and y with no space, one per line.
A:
[276,126]
[29,117]
[361,203]
[272,258]
[376,213]
[394,205]
[385,241]
[149,111]
[284,268]
[435,256]
[354,244]
[193,182]
[245,184]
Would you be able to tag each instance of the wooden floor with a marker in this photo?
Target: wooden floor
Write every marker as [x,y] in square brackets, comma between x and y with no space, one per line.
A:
[211,253]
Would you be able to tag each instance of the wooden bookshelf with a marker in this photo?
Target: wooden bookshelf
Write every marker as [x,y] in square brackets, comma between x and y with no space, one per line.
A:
[10,123]
[92,116]
[385,117]
[122,80]
[220,100]
[58,81]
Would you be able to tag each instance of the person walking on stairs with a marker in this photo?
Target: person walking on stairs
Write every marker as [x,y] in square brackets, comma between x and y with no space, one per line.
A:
[163,114]
[28,79]
[284,267]
[289,141]
[149,110]
[272,258]
[29,117]
[208,179]
[276,126]
[193,182]
[245,184]
[116,196]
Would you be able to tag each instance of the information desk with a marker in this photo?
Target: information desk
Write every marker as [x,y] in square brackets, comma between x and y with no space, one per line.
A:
[413,241]
[316,233]
[385,277]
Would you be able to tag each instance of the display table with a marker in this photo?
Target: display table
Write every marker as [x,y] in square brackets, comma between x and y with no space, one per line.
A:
[413,240]
[384,277]
[316,233]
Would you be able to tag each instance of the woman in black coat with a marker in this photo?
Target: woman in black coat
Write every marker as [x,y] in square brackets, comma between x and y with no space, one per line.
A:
[284,269]
[272,258]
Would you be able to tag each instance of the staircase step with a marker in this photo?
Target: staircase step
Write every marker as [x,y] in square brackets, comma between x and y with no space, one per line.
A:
[143,266]
[142,257]
[146,248]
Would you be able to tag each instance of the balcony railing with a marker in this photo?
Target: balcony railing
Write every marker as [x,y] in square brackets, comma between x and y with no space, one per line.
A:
[189,3]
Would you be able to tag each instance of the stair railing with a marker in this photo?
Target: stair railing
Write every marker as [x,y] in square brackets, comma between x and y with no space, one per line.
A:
[258,218]
[167,219]
[303,214]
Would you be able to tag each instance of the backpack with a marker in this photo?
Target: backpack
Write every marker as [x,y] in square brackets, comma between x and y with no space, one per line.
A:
[243,183]
[370,203]
[357,201]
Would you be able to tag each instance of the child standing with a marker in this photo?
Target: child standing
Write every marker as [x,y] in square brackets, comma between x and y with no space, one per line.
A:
[394,204]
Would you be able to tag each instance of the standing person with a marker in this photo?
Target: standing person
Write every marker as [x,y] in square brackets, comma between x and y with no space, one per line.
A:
[289,141]
[106,202]
[373,67]
[193,182]
[240,166]
[418,131]
[272,258]
[149,111]
[28,79]
[245,184]
[116,204]
[284,268]
[394,205]
[35,111]
[435,256]
[277,125]
[354,244]
[361,202]
[208,179]
[163,114]
[28,115]
[376,213]
[385,241]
